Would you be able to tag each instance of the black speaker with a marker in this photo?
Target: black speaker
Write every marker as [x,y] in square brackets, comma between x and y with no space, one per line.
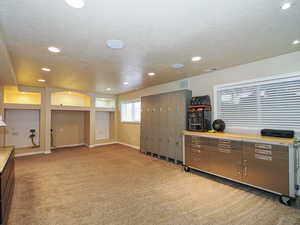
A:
[277,133]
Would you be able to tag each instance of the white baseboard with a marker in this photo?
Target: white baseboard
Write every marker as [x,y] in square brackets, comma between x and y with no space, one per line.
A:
[102,144]
[69,146]
[132,146]
[28,154]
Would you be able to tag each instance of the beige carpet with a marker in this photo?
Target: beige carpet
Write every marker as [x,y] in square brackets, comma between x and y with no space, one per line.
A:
[116,185]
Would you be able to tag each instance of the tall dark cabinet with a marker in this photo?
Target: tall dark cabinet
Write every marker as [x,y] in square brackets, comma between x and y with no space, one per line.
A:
[162,121]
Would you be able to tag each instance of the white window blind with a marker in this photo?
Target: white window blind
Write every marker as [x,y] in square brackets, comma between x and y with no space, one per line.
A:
[273,103]
[131,111]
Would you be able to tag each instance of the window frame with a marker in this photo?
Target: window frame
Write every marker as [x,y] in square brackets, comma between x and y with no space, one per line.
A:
[127,102]
[294,76]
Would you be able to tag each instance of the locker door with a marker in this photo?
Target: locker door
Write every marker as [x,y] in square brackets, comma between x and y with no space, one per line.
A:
[143,115]
[146,124]
[171,111]
[180,122]
[163,125]
[155,124]
[149,124]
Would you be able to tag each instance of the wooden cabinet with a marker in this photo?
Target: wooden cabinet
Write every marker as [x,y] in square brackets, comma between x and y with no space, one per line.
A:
[262,165]
[7,180]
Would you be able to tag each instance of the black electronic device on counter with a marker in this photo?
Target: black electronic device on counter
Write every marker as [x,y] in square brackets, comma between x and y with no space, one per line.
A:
[199,114]
[277,133]
[219,125]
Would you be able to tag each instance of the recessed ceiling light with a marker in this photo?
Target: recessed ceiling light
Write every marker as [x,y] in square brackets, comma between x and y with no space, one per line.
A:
[296,42]
[41,80]
[177,66]
[125,83]
[286,5]
[46,69]
[108,89]
[151,74]
[54,49]
[115,44]
[196,58]
[78,4]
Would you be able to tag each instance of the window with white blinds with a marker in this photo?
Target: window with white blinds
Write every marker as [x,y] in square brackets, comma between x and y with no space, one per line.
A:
[131,111]
[273,103]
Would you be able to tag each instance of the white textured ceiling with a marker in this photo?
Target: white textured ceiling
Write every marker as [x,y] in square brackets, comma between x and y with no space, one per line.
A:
[157,33]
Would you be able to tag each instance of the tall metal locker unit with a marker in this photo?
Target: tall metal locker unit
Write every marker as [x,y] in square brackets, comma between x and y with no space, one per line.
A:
[162,122]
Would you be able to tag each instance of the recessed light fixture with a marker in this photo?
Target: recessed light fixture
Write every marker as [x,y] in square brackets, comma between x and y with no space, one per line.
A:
[53,49]
[196,58]
[125,83]
[78,4]
[286,5]
[151,74]
[177,66]
[41,80]
[108,89]
[296,42]
[46,69]
[115,44]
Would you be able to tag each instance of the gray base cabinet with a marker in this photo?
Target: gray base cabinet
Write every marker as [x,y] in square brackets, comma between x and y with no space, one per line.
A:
[162,121]
[262,165]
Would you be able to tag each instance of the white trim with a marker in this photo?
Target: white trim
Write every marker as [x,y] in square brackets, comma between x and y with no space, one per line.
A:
[102,144]
[284,77]
[28,154]
[69,146]
[132,146]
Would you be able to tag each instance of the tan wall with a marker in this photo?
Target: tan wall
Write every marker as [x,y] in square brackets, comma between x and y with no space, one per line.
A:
[68,127]
[203,85]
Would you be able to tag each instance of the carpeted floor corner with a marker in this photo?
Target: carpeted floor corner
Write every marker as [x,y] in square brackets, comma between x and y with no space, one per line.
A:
[116,185]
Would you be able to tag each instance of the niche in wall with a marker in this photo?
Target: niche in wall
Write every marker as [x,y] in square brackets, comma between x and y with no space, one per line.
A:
[19,123]
[69,128]
[69,98]
[104,127]
[13,96]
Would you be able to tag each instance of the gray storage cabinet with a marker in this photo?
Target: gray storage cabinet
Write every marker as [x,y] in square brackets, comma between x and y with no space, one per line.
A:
[269,166]
[162,122]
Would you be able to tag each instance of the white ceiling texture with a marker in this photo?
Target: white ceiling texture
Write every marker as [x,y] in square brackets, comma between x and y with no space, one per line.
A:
[156,34]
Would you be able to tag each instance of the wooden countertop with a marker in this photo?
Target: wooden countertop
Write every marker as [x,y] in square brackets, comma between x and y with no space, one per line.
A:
[251,137]
[4,155]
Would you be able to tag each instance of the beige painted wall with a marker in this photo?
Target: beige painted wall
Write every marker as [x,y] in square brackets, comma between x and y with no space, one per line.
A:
[203,85]
[68,127]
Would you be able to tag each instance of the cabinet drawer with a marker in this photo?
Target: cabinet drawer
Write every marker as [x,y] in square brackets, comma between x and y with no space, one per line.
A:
[6,173]
[199,140]
[267,152]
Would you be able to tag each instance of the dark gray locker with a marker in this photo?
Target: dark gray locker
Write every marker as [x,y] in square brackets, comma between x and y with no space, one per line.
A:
[155,124]
[144,125]
[163,125]
[147,124]
[172,108]
[182,102]
[163,120]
